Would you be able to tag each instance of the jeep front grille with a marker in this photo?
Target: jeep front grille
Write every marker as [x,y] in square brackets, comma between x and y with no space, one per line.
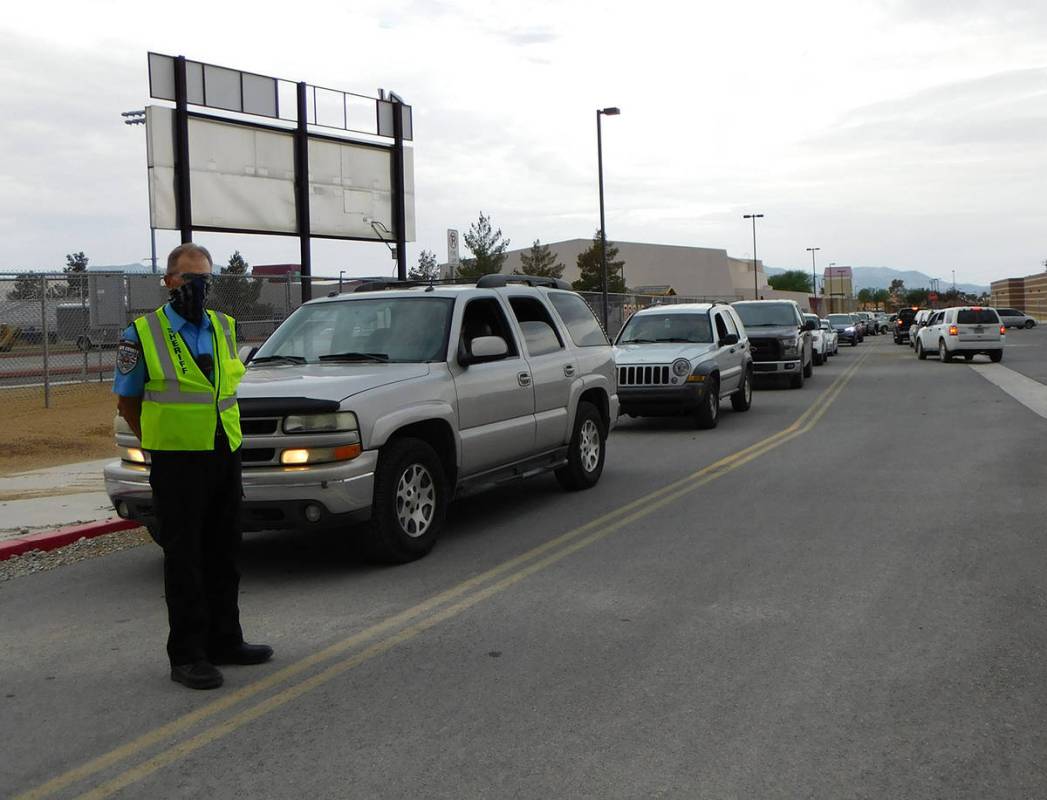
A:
[643,376]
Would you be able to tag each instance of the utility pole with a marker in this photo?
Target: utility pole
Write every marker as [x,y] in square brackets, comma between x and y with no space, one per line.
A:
[814,272]
[756,280]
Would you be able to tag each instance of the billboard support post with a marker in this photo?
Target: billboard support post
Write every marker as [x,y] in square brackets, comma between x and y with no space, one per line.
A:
[301,157]
[183,199]
[400,206]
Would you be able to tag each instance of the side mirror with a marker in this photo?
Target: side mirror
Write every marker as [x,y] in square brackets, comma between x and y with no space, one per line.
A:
[484,348]
[729,339]
[810,325]
[246,353]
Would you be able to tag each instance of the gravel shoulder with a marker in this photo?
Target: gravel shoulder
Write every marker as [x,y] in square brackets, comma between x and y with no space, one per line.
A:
[41,561]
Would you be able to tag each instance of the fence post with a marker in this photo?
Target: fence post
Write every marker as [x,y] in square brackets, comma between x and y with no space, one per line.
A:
[44,337]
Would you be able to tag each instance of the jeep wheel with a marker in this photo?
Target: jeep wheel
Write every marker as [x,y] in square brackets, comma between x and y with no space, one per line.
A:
[585,455]
[742,400]
[708,413]
[410,501]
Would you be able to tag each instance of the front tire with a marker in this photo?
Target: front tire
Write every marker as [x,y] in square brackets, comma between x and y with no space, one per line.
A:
[808,369]
[410,501]
[796,382]
[1029,324]
[920,352]
[708,414]
[819,359]
[585,455]
[742,400]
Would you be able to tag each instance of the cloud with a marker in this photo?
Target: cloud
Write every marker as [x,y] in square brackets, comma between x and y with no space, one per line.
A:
[524,37]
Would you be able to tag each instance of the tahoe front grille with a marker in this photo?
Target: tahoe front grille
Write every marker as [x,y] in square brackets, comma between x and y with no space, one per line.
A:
[766,349]
[643,376]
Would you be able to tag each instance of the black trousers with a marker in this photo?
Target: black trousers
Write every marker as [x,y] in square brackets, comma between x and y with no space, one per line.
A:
[196,498]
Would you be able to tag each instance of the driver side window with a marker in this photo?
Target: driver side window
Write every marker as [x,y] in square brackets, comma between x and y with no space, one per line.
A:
[721,328]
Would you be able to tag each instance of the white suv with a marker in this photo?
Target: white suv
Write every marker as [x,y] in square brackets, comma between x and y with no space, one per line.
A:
[963,331]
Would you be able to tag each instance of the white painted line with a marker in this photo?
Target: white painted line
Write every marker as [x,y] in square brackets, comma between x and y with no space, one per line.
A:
[1031,394]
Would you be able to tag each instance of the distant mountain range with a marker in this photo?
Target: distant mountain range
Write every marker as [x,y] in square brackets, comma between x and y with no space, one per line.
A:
[881,277]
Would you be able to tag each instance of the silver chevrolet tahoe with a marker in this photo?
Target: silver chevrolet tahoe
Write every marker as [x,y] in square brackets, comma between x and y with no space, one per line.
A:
[381,406]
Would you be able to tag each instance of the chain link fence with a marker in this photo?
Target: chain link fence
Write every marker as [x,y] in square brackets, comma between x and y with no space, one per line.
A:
[60,331]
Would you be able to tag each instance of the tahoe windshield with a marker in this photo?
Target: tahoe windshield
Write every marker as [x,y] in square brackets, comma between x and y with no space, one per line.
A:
[646,328]
[378,330]
[766,315]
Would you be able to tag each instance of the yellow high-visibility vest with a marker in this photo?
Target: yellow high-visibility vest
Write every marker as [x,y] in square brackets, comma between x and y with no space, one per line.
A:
[181,408]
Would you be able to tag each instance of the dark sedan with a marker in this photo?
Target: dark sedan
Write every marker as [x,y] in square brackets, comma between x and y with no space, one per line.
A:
[846,328]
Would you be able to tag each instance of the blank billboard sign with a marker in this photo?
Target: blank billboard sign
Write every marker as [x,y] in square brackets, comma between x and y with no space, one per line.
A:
[242,178]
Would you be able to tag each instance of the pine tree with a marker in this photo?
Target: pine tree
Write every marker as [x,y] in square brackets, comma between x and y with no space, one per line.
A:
[590,267]
[235,293]
[488,249]
[76,263]
[427,269]
[540,261]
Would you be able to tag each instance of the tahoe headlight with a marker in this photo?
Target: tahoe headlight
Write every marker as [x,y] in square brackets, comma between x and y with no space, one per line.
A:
[681,367]
[790,347]
[321,423]
[849,329]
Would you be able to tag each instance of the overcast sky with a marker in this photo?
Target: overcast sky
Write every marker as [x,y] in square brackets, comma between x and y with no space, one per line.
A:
[903,133]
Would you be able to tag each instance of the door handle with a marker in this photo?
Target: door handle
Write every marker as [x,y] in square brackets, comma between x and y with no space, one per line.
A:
[524,379]
[568,370]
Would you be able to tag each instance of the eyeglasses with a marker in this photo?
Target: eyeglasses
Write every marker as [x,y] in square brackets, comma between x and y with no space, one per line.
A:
[186,277]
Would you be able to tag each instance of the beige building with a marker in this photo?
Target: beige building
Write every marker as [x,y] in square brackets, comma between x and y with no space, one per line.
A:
[702,272]
[1028,294]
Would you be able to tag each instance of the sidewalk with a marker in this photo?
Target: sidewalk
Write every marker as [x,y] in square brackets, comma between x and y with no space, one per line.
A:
[56,497]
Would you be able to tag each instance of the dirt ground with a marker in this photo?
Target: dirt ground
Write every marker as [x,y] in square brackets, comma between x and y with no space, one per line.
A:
[77,427]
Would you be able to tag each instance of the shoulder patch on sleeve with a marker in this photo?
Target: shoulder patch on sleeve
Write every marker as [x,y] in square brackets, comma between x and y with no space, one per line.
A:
[127,355]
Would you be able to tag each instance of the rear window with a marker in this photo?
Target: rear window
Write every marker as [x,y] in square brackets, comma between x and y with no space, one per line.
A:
[977,316]
[579,318]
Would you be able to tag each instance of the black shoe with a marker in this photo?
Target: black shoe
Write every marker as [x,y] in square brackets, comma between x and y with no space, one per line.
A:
[243,654]
[198,675]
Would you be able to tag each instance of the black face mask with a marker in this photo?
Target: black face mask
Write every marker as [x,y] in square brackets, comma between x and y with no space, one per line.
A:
[190,299]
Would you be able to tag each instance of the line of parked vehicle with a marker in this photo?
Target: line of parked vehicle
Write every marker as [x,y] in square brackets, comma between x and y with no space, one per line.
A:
[962,331]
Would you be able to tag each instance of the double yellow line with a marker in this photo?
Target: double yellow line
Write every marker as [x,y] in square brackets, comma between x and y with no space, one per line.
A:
[410,623]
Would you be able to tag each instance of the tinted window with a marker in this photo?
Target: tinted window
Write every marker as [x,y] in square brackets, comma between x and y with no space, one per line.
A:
[729,322]
[1008,312]
[721,327]
[977,316]
[579,318]
[766,315]
[402,329]
[667,328]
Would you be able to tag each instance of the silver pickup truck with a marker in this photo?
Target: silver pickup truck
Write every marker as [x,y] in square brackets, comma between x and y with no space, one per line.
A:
[383,405]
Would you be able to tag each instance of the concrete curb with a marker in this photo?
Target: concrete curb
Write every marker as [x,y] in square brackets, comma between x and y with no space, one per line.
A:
[60,537]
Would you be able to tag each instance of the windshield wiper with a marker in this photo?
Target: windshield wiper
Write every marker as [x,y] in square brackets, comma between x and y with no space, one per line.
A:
[637,341]
[380,358]
[271,359]
[679,340]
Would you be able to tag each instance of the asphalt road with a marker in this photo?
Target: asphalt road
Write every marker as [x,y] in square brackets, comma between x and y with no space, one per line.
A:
[838,594]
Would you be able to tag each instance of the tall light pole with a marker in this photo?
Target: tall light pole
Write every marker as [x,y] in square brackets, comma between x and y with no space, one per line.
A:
[138,118]
[814,272]
[610,111]
[756,281]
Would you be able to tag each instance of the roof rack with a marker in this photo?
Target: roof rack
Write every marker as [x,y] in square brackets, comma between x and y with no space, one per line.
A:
[497,281]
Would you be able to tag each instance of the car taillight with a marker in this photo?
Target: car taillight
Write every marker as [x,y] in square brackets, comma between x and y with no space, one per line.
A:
[898,323]
[1003,330]
[954,331]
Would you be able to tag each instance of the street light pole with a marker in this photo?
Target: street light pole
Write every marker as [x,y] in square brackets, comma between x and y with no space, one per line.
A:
[756,281]
[611,111]
[814,272]
[138,118]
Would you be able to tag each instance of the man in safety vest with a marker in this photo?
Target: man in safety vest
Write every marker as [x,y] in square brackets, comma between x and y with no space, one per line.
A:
[176,378]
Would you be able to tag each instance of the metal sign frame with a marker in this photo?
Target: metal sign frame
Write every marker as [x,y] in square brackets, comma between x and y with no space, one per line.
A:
[177,89]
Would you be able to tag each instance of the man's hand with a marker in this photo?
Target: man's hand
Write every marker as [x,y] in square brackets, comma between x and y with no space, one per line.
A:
[130,408]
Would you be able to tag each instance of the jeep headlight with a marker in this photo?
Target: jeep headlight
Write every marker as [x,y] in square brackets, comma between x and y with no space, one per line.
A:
[321,423]
[681,367]
[790,348]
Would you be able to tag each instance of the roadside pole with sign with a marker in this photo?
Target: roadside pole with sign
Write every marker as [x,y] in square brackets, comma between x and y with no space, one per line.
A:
[452,251]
